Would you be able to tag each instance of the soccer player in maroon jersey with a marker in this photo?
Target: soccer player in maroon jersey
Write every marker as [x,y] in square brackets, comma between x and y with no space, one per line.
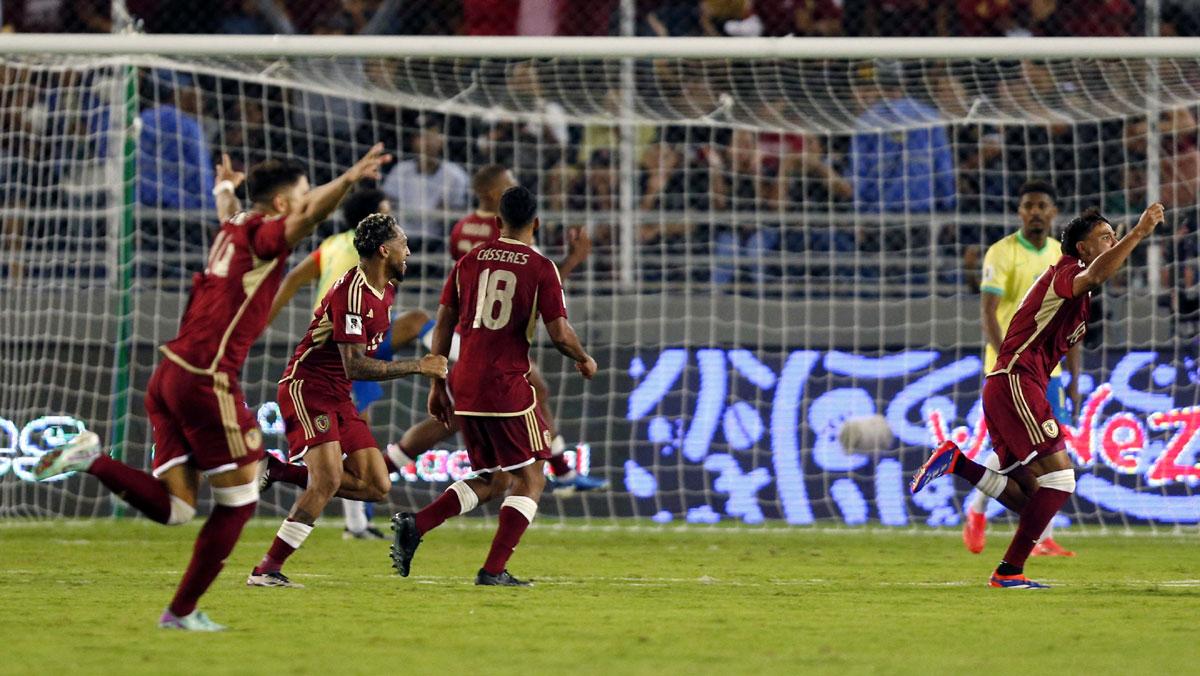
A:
[201,425]
[480,227]
[494,296]
[321,420]
[1036,477]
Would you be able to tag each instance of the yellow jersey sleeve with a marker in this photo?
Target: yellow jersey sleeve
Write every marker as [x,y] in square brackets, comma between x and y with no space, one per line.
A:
[997,269]
[335,256]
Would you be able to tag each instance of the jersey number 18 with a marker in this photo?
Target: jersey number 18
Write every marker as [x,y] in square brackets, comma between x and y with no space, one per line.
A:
[493,302]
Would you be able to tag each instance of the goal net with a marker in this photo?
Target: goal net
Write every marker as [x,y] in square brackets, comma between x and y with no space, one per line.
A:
[781,242]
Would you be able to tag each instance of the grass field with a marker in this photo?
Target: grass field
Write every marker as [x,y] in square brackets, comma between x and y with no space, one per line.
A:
[82,597]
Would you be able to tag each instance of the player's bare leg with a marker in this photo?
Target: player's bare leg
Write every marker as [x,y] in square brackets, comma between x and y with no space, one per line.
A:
[324,479]
[365,476]
[235,494]
[516,514]
[1055,482]
[461,497]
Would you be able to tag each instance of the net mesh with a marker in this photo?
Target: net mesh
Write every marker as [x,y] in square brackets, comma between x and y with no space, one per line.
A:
[778,246]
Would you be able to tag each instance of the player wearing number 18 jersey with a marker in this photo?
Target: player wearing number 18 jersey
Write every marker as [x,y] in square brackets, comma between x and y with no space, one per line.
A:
[1038,478]
[495,295]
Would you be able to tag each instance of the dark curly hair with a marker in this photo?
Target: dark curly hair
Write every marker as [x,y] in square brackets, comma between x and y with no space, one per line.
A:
[371,232]
[1078,229]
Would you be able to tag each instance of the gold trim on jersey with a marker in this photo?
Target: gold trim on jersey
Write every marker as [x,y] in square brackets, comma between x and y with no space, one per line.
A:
[259,274]
[294,389]
[227,406]
[367,283]
[531,327]
[1051,303]
[492,414]
[319,336]
[1023,410]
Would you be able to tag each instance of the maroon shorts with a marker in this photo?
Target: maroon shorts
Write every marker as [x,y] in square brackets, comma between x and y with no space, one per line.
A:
[501,444]
[1019,419]
[312,415]
[200,419]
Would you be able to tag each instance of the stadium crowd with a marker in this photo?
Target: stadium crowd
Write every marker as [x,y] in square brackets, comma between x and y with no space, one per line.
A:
[722,204]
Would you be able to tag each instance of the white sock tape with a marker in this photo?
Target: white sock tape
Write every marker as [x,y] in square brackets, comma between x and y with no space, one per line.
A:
[1062,480]
[236,496]
[467,500]
[558,445]
[181,512]
[992,484]
[294,533]
[522,504]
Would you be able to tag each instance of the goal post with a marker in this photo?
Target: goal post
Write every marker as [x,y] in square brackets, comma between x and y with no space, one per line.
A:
[787,235]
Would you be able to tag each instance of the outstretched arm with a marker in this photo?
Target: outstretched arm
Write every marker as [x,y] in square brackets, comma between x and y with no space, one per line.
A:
[319,202]
[227,201]
[1107,263]
[361,367]
[305,273]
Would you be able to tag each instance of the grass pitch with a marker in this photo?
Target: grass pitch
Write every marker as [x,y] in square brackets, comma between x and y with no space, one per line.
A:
[83,597]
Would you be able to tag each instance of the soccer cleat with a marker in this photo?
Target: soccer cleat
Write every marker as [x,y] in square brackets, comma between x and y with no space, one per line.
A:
[405,542]
[195,621]
[975,531]
[1018,581]
[939,463]
[504,579]
[272,579]
[368,533]
[264,473]
[580,483]
[1049,547]
[74,456]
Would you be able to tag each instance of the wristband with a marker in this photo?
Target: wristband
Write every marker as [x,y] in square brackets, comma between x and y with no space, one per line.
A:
[223,186]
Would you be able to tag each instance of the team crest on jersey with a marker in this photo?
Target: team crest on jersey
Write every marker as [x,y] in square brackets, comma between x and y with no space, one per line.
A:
[253,438]
[353,325]
[322,422]
[1050,427]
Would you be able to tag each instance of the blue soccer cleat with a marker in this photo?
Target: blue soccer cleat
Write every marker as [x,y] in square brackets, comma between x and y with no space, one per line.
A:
[1018,581]
[566,486]
[939,463]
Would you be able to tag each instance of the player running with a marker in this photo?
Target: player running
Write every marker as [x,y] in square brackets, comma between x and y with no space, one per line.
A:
[1038,477]
[1010,267]
[201,425]
[321,422]
[475,229]
[325,265]
[494,296]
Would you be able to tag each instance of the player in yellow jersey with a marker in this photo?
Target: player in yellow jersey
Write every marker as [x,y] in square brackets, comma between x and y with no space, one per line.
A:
[332,258]
[1010,267]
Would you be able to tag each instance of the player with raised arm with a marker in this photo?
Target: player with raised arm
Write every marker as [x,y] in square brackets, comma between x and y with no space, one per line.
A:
[1010,267]
[1038,477]
[494,296]
[200,422]
[321,421]
[324,266]
[475,229]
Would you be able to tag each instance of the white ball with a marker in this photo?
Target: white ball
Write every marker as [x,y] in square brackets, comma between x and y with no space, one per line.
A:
[866,434]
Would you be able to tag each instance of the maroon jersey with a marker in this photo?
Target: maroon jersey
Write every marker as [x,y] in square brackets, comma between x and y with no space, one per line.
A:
[1047,323]
[351,312]
[471,231]
[498,291]
[231,299]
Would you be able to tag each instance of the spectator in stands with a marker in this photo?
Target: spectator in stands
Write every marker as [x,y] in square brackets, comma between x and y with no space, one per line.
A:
[699,18]
[59,16]
[905,18]
[750,188]
[427,183]
[802,18]
[175,165]
[1185,292]
[901,156]
[1180,18]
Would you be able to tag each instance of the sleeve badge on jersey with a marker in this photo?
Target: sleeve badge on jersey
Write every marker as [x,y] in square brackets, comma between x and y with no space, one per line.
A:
[988,273]
[353,325]
[1050,427]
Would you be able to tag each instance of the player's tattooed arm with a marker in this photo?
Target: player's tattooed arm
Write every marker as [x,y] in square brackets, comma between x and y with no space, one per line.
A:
[361,367]
[321,201]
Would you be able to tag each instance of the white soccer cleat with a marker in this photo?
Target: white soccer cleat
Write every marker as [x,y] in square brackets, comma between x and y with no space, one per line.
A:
[274,579]
[195,621]
[74,456]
